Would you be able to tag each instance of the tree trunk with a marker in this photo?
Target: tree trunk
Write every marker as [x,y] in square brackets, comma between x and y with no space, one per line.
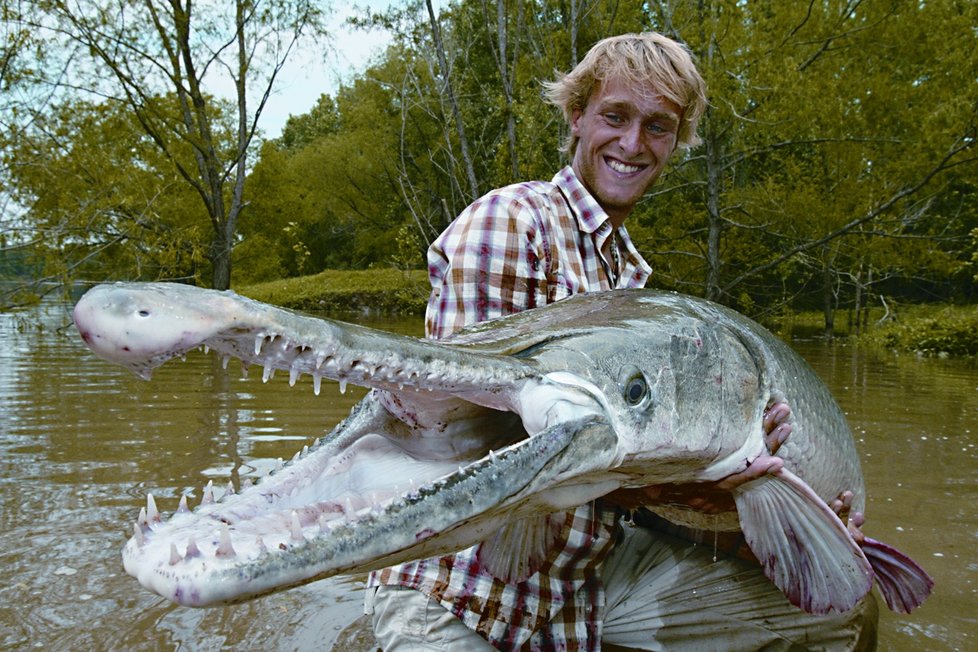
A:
[456,112]
[828,304]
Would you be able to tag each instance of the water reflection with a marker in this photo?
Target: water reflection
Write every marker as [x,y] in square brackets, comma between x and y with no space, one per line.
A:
[81,442]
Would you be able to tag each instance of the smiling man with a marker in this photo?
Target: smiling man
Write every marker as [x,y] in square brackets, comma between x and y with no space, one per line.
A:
[630,104]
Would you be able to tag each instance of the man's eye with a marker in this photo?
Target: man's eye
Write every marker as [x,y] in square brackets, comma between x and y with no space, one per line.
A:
[613,118]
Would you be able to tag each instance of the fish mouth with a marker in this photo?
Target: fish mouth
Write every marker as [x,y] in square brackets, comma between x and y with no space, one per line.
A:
[436,458]
[355,502]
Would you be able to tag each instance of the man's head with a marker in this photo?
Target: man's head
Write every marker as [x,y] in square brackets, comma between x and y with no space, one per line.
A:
[649,63]
[630,103]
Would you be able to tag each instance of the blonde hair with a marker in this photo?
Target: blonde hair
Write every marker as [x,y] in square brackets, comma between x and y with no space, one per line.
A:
[648,61]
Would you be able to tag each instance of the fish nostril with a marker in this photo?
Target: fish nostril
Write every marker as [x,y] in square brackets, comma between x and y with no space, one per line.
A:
[143,313]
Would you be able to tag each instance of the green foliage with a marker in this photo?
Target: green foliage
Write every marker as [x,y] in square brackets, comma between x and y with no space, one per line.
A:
[930,330]
[838,156]
[104,202]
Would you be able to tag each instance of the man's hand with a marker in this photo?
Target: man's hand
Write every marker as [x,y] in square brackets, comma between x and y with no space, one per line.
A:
[716,497]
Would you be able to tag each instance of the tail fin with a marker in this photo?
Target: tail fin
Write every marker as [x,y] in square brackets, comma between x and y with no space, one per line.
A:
[903,583]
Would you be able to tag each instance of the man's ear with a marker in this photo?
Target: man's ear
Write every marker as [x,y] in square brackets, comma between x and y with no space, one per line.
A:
[576,114]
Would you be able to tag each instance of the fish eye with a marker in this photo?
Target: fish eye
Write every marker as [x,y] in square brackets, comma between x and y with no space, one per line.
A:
[636,389]
[143,313]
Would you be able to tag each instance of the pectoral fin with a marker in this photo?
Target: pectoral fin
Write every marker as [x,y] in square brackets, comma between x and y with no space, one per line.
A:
[803,546]
[521,547]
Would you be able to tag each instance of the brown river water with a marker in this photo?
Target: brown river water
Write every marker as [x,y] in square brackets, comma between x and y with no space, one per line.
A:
[82,442]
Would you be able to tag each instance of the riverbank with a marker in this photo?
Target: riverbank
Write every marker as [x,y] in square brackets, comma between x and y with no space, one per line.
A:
[384,291]
[931,329]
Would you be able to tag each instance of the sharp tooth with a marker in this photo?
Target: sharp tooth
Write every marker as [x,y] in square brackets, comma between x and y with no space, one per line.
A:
[305,449]
[268,372]
[225,359]
[183,507]
[208,497]
[175,557]
[137,532]
[224,547]
[296,528]
[293,376]
[258,342]
[319,361]
[296,456]
[206,348]
[342,382]
[317,381]
[152,514]
[230,489]
[192,549]
[141,519]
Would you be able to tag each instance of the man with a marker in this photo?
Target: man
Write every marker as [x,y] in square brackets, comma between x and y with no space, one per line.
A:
[630,104]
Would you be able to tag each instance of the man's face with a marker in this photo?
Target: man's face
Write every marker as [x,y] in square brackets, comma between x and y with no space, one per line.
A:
[624,140]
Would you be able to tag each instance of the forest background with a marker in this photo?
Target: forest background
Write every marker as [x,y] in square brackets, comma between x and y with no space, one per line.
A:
[838,167]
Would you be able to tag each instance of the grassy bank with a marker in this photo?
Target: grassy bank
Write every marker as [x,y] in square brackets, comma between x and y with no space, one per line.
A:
[356,291]
[924,329]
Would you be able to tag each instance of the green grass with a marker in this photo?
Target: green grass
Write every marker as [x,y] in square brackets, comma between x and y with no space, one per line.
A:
[373,290]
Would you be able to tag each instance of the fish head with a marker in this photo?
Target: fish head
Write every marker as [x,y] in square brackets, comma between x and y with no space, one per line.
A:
[680,392]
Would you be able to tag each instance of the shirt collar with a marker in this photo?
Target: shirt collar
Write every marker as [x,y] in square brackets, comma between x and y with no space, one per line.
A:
[590,216]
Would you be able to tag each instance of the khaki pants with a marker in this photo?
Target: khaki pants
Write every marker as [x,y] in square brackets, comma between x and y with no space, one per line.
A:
[663,593]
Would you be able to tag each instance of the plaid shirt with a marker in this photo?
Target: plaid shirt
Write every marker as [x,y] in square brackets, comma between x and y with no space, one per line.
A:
[516,248]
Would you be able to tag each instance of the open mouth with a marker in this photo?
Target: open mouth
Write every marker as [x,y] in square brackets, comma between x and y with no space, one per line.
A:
[623,168]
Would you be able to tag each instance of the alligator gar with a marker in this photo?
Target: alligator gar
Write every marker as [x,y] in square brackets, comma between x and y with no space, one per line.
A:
[505,422]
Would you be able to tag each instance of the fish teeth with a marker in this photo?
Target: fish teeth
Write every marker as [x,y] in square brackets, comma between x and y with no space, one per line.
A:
[208,497]
[268,372]
[192,549]
[317,381]
[183,507]
[293,375]
[152,514]
[137,533]
[224,547]
[175,557]
[296,528]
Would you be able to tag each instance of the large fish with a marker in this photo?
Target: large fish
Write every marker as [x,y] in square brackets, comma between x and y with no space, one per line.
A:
[479,437]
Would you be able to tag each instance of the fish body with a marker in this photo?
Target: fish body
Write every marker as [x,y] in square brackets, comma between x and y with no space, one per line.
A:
[510,420]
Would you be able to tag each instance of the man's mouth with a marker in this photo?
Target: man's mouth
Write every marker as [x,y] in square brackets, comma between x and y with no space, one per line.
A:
[622,168]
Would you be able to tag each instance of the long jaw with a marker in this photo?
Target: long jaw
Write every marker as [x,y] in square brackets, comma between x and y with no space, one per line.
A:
[408,475]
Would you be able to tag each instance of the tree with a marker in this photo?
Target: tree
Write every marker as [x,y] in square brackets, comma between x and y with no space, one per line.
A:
[137,52]
[103,199]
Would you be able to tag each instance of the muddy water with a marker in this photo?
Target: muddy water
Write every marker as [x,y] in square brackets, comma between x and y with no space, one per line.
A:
[81,442]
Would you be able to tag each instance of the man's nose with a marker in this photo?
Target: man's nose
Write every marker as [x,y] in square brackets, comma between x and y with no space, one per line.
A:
[630,140]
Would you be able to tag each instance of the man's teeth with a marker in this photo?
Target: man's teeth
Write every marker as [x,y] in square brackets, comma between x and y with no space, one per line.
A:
[618,166]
